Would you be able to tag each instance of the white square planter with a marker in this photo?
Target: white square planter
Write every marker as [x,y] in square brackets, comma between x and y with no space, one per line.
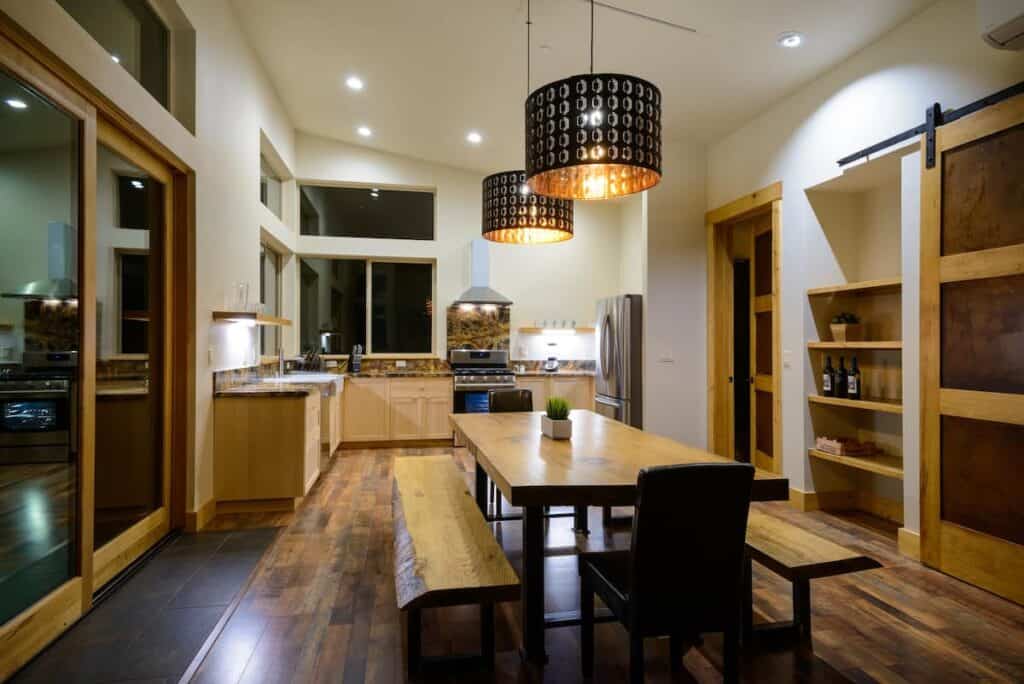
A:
[556,429]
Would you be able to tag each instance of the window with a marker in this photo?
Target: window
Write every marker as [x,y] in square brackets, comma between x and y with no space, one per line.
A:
[270,187]
[133,203]
[334,315]
[133,270]
[270,298]
[366,213]
[134,36]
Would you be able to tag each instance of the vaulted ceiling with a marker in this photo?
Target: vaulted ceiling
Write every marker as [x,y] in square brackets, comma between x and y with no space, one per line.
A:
[435,70]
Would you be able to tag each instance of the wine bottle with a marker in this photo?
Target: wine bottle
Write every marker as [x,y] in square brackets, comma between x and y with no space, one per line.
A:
[828,378]
[840,379]
[853,380]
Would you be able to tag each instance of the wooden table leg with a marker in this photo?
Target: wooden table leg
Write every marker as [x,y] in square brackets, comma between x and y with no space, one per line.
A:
[532,585]
[802,609]
[579,520]
[481,489]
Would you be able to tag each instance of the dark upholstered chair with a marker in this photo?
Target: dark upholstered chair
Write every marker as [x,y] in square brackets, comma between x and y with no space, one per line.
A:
[683,575]
[507,401]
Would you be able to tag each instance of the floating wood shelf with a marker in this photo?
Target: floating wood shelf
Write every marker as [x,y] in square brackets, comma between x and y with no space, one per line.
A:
[556,331]
[891,344]
[249,316]
[882,405]
[865,287]
[882,464]
[142,316]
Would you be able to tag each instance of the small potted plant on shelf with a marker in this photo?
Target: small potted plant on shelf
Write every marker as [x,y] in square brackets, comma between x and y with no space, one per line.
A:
[555,423]
[846,327]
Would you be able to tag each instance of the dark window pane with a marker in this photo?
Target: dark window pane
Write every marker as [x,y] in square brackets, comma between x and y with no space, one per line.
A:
[133,203]
[402,307]
[332,299]
[983,335]
[133,35]
[763,264]
[366,212]
[134,303]
[982,202]
[765,424]
[982,478]
[763,340]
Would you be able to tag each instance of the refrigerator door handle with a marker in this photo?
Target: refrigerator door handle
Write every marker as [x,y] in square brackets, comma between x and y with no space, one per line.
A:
[617,403]
[606,330]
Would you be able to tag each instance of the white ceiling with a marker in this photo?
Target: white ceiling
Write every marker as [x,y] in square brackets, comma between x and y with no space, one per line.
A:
[436,69]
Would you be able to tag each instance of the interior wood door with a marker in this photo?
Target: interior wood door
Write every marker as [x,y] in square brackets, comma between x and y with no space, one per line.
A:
[972,350]
[765,406]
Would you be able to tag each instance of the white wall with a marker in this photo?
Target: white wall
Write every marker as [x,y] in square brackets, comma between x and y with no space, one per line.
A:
[675,350]
[936,56]
[555,282]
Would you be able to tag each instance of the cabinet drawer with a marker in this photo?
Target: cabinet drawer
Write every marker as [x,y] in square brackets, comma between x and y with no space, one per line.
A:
[420,387]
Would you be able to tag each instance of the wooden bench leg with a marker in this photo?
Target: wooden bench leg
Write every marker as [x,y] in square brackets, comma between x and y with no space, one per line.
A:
[414,645]
[481,489]
[579,520]
[487,635]
[802,610]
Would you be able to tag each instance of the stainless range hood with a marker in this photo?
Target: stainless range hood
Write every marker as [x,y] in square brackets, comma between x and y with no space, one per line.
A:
[62,262]
[480,291]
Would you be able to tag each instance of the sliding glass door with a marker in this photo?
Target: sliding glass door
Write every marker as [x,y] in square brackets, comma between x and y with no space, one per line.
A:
[132,474]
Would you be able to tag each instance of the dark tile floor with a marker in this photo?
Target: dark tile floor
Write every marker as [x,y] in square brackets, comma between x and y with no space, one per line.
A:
[152,627]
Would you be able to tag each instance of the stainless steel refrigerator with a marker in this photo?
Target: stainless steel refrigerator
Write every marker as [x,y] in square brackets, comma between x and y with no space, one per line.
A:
[619,378]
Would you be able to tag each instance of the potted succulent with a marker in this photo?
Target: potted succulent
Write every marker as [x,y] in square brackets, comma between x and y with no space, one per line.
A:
[846,327]
[555,423]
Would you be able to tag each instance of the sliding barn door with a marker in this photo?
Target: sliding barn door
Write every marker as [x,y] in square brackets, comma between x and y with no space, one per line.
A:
[972,350]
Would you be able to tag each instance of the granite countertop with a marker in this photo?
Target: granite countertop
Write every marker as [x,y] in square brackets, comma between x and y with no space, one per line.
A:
[575,373]
[391,373]
[269,389]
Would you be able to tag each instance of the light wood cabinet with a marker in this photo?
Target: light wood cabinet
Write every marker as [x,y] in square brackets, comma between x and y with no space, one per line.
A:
[330,422]
[366,415]
[396,409]
[578,390]
[265,447]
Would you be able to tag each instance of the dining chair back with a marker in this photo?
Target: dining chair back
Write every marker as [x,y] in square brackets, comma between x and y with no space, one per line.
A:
[509,400]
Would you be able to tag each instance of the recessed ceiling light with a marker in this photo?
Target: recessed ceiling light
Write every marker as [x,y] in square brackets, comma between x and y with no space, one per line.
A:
[790,39]
[137,184]
[474,138]
[354,83]
[14,103]
[364,131]
[117,60]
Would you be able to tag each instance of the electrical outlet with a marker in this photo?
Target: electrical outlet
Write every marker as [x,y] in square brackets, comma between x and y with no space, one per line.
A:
[400,364]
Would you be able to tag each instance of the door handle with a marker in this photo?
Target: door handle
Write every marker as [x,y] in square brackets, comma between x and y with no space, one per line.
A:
[730,379]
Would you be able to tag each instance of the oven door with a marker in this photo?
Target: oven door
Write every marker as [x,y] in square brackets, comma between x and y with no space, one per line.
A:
[35,426]
[471,401]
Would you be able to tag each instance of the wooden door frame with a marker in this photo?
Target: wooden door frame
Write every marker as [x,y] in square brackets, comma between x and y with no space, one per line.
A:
[967,552]
[28,60]
[719,319]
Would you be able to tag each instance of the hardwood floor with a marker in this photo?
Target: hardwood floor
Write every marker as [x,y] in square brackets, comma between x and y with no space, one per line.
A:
[321,607]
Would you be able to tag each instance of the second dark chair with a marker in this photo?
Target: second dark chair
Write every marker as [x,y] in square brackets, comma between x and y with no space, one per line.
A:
[506,401]
[683,574]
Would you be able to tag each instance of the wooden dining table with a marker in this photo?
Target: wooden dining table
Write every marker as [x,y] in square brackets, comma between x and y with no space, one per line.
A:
[598,466]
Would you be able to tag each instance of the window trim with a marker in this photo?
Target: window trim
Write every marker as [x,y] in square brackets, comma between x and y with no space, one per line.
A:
[369,261]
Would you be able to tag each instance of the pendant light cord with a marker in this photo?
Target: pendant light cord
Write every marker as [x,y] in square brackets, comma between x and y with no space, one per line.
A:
[591,36]
[529,23]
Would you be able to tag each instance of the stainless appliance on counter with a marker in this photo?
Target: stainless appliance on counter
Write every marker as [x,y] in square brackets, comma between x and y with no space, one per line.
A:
[476,373]
[619,378]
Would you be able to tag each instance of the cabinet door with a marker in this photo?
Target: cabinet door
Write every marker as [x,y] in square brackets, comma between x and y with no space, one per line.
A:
[575,390]
[406,417]
[539,387]
[436,410]
[311,463]
[366,410]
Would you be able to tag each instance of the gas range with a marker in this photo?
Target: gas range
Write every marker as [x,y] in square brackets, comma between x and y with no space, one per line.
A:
[481,370]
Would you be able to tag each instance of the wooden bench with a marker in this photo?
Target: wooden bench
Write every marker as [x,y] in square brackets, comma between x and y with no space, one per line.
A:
[445,553]
[799,556]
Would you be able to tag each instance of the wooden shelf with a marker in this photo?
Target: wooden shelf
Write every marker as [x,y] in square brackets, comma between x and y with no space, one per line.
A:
[555,331]
[249,316]
[891,344]
[882,405]
[866,287]
[882,464]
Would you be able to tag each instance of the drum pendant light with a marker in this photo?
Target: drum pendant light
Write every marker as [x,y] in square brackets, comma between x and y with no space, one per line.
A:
[512,213]
[593,136]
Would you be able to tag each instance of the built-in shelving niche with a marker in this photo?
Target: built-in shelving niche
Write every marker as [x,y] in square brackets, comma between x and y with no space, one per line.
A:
[859,213]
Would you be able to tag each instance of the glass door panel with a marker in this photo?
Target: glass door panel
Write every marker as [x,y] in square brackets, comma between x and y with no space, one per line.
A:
[39,342]
[130,462]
